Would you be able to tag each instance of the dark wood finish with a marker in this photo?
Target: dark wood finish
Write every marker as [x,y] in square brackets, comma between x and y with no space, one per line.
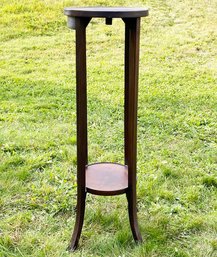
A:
[132,29]
[108,21]
[106,12]
[106,179]
[82,156]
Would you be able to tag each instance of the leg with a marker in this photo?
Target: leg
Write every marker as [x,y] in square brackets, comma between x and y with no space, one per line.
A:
[132,27]
[80,210]
[82,157]
[132,211]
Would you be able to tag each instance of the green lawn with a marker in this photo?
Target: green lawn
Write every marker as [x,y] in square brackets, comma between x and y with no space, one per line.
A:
[177,130]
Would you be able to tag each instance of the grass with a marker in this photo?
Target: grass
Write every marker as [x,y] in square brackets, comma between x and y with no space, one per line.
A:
[177,139]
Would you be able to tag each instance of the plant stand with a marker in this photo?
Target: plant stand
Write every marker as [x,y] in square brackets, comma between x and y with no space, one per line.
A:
[107,178]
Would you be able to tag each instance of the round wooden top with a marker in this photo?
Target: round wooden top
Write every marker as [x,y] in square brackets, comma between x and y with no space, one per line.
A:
[106,12]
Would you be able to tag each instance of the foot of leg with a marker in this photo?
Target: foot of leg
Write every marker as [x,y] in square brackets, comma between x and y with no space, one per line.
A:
[132,211]
[79,221]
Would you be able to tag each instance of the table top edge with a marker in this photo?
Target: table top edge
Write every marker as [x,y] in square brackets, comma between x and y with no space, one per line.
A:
[106,12]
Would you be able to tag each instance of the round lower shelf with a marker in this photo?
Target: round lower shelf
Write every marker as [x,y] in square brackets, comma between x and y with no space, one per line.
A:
[106,178]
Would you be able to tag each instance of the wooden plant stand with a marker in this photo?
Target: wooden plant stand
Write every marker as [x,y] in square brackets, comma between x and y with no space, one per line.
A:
[107,178]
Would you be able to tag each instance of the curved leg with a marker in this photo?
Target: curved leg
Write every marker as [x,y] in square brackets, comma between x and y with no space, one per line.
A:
[132,211]
[79,221]
[132,26]
[82,154]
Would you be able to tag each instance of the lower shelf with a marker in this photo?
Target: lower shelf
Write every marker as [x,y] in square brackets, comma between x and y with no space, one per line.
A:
[106,178]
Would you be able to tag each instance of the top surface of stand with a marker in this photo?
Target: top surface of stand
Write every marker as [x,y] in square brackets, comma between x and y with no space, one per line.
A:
[106,12]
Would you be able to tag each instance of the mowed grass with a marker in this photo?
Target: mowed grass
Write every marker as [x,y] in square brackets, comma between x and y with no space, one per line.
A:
[177,130]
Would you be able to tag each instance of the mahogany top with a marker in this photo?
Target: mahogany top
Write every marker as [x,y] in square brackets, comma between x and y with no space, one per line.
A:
[106,12]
